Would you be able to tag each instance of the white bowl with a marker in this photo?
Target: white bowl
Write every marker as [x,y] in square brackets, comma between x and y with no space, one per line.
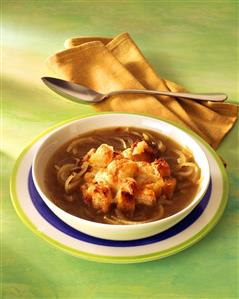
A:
[66,132]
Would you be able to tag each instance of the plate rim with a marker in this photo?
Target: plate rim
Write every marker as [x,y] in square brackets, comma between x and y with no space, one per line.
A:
[120,259]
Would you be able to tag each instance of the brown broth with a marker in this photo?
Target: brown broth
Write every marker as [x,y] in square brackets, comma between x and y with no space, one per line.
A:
[78,208]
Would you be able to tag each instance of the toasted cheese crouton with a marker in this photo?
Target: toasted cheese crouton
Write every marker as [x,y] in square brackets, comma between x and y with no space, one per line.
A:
[125,196]
[141,151]
[99,195]
[102,157]
[140,147]
[121,169]
[162,167]
[89,154]
[146,173]
[127,153]
[169,187]
[146,196]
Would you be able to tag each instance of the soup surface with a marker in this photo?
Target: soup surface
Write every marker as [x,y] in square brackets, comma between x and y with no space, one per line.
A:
[122,176]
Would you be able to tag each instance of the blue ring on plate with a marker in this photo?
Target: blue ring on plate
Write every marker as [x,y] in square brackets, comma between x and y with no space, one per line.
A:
[50,217]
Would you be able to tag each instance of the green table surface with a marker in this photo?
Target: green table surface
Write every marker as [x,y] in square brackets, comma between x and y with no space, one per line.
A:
[194,43]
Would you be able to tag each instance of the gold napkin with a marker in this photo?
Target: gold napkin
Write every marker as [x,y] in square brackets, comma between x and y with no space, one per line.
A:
[106,64]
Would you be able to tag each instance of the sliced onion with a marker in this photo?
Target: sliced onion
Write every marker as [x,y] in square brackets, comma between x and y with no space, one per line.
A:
[137,134]
[165,202]
[161,146]
[69,198]
[121,140]
[128,140]
[64,171]
[119,220]
[70,186]
[77,142]
[74,179]
[146,137]
[110,221]
[119,214]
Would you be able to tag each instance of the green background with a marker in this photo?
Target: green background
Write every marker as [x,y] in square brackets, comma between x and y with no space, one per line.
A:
[194,43]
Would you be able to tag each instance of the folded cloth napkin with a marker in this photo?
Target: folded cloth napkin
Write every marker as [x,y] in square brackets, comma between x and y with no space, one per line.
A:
[106,65]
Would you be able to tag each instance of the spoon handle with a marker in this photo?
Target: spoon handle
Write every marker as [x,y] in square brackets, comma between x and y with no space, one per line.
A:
[215,97]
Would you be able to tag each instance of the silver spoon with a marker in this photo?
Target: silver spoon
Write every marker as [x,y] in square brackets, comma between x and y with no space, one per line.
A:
[79,93]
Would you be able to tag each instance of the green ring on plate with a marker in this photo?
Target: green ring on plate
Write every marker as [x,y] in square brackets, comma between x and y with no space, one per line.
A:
[121,259]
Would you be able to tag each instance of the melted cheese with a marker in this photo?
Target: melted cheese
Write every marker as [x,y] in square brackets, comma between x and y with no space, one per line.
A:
[130,182]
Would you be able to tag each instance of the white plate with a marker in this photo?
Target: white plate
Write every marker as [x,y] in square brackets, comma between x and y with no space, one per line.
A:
[34,212]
